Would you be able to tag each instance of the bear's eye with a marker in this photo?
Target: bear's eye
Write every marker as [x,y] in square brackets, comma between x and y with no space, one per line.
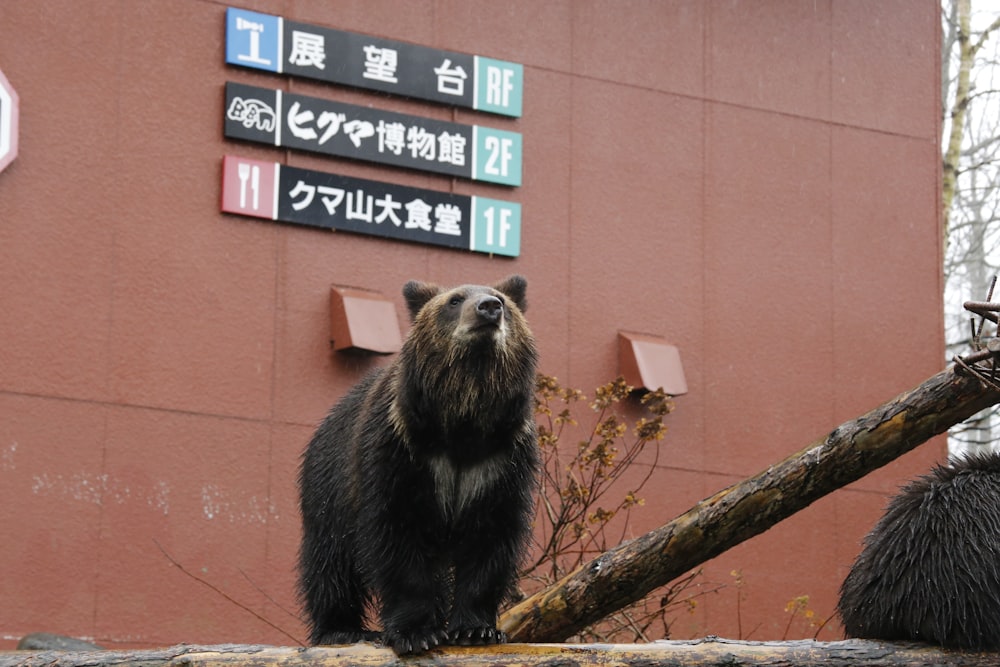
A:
[455,301]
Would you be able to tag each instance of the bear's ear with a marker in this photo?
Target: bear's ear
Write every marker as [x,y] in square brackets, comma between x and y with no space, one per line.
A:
[514,287]
[417,294]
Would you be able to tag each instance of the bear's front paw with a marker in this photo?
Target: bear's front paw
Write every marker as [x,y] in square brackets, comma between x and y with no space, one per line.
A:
[413,642]
[477,636]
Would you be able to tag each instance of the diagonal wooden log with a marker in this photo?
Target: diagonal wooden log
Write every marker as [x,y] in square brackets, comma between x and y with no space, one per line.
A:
[630,571]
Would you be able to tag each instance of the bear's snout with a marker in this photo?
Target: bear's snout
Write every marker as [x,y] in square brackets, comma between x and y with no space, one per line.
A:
[489,308]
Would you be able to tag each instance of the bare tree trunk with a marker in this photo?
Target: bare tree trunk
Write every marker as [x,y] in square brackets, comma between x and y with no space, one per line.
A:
[959,108]
[630,571]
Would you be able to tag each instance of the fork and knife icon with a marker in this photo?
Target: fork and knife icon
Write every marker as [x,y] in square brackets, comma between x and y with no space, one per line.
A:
[252,173]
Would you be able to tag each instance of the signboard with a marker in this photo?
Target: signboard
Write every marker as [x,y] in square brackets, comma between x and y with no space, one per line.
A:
[273,191]
[317,125]
[8,122]
[271,43]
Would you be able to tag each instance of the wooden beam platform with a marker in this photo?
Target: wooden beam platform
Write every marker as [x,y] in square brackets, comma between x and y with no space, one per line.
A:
[711,651]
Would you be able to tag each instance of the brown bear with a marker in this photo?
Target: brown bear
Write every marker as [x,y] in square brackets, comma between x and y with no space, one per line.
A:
[417,490]
[930,568]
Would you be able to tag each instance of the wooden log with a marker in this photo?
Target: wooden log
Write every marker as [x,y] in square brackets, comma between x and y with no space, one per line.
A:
[630,571]
[707,652]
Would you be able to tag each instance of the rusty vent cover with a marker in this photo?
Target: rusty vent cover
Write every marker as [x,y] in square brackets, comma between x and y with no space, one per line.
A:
[649,362]
[363,320]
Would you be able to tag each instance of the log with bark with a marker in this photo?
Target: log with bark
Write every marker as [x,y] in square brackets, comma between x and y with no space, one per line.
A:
[701,653]
[630,571]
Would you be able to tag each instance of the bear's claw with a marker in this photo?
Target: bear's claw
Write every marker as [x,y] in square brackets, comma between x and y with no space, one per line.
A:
[403,643]
[477,636]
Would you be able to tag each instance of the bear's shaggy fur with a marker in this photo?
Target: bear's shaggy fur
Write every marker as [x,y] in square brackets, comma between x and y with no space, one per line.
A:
[417,490]
[930,569]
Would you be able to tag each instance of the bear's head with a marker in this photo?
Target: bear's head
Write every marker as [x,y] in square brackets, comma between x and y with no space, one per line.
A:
[469,313]
[468,359]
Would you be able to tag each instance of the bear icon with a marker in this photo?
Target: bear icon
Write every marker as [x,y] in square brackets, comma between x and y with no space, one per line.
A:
[930,568]
[417,490]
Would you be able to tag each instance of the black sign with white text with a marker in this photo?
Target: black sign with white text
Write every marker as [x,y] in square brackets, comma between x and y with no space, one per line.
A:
[274,44]
[319,199]
[318,125]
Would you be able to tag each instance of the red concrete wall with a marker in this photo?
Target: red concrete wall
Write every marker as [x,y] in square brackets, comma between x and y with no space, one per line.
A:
[756,181]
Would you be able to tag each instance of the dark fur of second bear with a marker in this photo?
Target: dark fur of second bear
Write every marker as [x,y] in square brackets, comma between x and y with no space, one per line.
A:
[930,568]
[417,490]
